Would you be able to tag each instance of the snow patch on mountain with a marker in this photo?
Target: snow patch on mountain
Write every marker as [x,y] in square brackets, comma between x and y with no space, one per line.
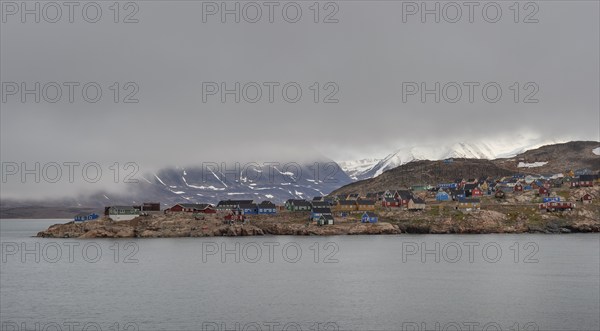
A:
[355,168]
[531,165]
[499,148]
[596,151]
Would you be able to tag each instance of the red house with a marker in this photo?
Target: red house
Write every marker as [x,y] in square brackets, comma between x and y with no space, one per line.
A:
[582,183]
[476,192]
[403,197]
[543,191]
[192,208]
[587,198]
[518,187]
[390,202]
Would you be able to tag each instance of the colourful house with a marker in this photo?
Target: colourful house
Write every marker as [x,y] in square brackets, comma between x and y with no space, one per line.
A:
[192,208]
[345,206]
[83,217]
[543,191]
[365,205]
[469,204]
[318,212]
[390,202]
[369,217]
[518,187]
[298,205]
[587,198]
[122,213]
[325,220]
[416,204]
[442,196]
[476,192]
[249,209]
[266,208]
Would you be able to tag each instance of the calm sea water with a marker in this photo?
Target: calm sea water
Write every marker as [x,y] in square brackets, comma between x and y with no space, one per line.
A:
[402,282]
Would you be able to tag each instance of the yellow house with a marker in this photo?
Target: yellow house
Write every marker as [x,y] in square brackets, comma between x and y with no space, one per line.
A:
[484,186]
[345,205]
[365,205]
[469,204]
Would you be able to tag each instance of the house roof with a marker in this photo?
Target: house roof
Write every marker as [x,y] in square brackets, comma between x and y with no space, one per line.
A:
[266,204]
[347,202]
[404,194]
[320,204]
[121,207]
[321,210]
[365,202]
[470,200]
[587,177]
[470,186]
[390,200]
[301,203]
[326,217]
[195,205]
[418,200]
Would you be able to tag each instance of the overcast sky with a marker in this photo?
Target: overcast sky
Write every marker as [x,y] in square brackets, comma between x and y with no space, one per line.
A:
[369,55]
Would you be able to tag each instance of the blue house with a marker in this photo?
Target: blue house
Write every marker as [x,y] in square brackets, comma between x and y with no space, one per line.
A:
[447,185]
[249,209]
[551,199]
[442,196]
[266,208]
[82,217]
[369,217]
[458,194]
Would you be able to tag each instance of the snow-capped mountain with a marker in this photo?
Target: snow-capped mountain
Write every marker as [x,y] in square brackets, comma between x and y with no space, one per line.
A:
[355,168]
[480,150]
[211,184]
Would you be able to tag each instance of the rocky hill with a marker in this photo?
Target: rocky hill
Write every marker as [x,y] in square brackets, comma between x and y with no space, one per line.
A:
[550,159]
[555,158]
[417,172]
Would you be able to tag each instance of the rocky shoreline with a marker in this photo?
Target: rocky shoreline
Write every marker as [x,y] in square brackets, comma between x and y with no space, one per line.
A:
[184,225]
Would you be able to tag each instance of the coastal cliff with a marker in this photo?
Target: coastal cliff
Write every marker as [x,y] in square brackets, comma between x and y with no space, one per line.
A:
[289,223]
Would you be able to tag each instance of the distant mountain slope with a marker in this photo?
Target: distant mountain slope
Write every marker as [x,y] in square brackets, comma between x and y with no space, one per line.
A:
[356,169]
[425,171]
[555,158]
[197,185]
[548,159]
[467,150]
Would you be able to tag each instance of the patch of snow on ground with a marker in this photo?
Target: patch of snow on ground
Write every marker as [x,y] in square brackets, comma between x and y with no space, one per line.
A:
[596,150]
[269,196]
[531,165]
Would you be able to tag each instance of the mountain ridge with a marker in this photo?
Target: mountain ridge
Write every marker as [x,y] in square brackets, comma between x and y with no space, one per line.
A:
[470,150]
[547,159]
